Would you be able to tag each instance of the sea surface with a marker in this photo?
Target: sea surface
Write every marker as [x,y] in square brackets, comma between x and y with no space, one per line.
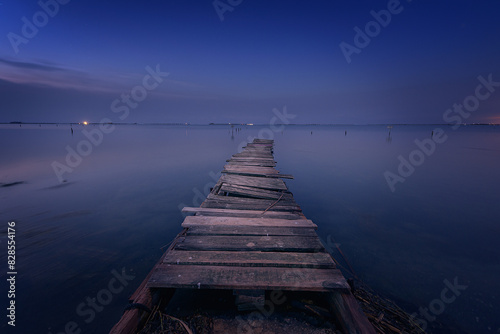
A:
[87,235]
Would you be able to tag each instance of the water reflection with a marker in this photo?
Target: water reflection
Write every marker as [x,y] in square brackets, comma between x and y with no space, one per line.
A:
[121,205]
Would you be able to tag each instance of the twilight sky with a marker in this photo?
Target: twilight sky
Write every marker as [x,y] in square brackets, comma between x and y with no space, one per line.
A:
[88,60]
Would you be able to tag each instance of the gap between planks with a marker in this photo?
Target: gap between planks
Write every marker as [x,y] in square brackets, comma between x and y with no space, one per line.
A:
[243,213]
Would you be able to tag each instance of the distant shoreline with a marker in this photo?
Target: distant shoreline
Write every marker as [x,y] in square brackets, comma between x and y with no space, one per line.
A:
[244,124]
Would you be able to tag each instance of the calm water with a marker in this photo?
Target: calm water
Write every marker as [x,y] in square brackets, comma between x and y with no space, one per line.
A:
[120,205]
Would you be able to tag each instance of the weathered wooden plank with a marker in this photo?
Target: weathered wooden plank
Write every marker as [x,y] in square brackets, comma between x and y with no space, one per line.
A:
[248,170]
[255,192]
[216,188]
[253,159]
[249,230]
[247,278]
[254,155]
[233,198]
[259,145]
[257,182]
[262,150]
[251,243]
[256,173]
[250,259]
[246,203]
[191,221]
[267,157]
[251,163]
[248,200]
[250,206]
[271,142]
[251,169]
[348,313]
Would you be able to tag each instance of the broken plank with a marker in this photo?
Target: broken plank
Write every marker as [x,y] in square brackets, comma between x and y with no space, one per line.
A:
[250,206]
[256,182]
[252,203]
[253,192]
[348,313]
[248,200]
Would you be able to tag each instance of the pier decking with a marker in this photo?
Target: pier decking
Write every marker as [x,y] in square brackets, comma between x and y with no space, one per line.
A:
[249,236]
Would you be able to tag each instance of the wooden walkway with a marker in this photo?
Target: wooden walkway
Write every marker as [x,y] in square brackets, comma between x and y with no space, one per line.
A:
[250,235]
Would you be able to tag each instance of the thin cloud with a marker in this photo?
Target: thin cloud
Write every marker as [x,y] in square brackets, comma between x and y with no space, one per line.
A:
[31,65]
[37,73]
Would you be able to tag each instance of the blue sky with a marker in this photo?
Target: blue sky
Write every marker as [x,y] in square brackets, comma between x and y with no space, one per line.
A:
[263,55]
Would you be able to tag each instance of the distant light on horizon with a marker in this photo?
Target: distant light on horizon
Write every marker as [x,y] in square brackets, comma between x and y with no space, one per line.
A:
[85,123]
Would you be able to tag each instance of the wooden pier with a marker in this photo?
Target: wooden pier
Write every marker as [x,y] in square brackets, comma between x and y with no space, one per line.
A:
[249,236]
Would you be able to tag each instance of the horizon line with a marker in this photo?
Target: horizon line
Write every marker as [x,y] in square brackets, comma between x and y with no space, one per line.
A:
[233,124]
